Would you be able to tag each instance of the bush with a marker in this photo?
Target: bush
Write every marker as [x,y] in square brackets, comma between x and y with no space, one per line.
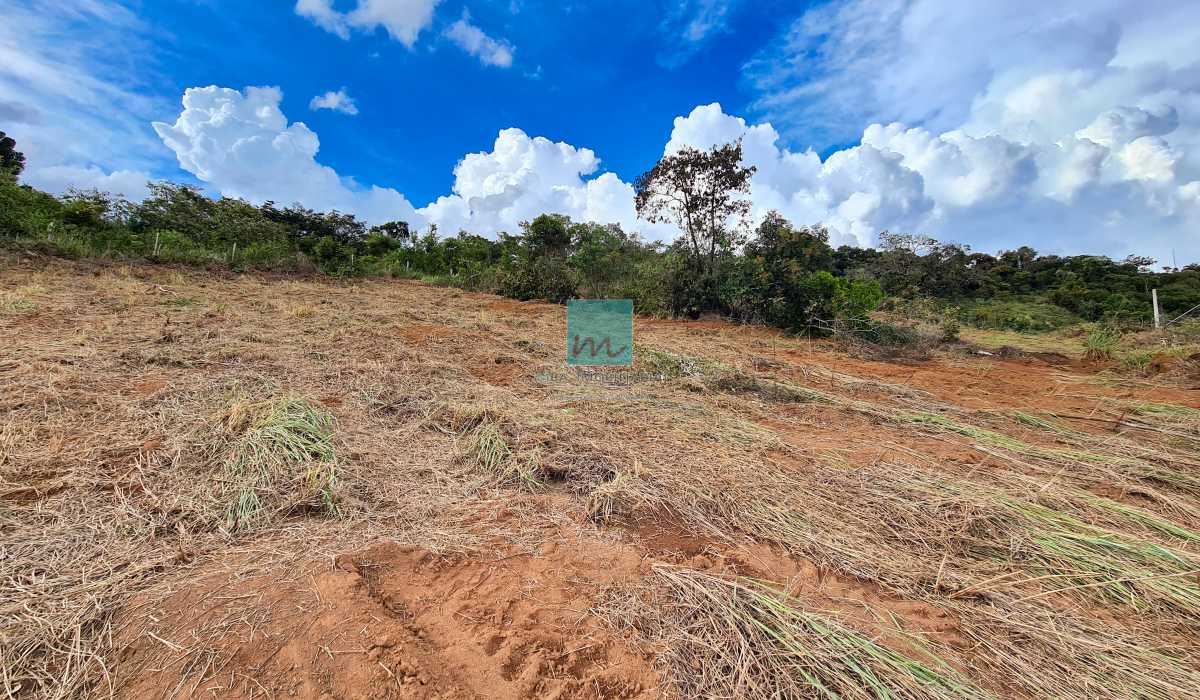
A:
[546,277]
[649,287]
[25,211]
[950,327]
[331,256]
[890,335]
[1021,316]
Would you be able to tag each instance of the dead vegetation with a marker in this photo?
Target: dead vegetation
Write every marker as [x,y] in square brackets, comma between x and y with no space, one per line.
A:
[1051,520]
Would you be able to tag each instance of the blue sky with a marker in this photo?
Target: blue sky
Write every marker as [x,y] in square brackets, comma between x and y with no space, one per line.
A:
[609,75]
[1075,125]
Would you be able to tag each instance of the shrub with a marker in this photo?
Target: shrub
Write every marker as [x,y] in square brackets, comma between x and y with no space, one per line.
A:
[331,256]
[950,326]
[545,277]
[1021,316]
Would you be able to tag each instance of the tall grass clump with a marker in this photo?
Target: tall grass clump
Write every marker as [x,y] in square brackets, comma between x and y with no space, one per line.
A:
[1101,343]
[741,638]
[486,447]
[282,461]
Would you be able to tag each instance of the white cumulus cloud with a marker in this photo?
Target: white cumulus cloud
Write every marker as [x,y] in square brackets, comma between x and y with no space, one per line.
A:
[474,41]
[1073,195]
[1074,124]
[242,145]
[337,101]
[130,184]
[522,177]
[403,20]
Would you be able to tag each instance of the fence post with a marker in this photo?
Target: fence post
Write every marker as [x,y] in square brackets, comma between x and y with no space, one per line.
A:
[1154,300]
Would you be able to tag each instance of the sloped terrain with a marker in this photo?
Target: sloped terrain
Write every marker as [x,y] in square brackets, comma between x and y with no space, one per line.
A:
[243,486]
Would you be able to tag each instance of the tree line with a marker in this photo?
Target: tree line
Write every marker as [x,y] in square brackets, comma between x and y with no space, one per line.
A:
[778,273]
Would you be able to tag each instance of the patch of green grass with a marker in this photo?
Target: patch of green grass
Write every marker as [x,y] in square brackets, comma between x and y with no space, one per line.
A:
[1060,341]
[988,436]
[182,302]
[1183,480]
[12,304]
[1137,361]
[1015,315]
[720,377]
[1174,410]
[1144,518]
[667,365]
[1097,562]
[1101,343]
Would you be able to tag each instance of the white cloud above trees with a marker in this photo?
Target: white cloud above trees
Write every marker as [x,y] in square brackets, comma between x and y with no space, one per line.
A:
[1079,129]
[522,177]
[1073,123]
[241,145]
[404,21]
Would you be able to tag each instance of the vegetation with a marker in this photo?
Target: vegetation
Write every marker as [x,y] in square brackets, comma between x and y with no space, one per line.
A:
[743,638]
[779,273]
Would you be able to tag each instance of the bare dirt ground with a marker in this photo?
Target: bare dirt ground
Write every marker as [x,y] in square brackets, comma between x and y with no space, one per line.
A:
[741,514]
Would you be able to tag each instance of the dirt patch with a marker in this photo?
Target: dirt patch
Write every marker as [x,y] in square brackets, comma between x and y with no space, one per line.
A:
[663,532]
[499,370]
[423,334]
[149,387]
[530,308]
[388,622]
[107,458]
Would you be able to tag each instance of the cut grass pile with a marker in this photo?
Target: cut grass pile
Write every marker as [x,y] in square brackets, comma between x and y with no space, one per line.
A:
[1089,459]
[282,460]
[1045,652]
[740,637]
[483,444]
[73,558]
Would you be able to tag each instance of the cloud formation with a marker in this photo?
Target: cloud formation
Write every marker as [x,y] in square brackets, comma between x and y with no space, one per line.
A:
[1120,188]
[336,101]
[1077,124]
[689,24]
[522,177]
[474,41]
[1078,130]
[403,20]
[241,144]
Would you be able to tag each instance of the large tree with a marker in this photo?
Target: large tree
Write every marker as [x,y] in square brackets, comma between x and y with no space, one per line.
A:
[704,194]
[11,160]
[547,235]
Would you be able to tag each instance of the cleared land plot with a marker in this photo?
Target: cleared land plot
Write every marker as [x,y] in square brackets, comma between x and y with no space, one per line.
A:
[240,486]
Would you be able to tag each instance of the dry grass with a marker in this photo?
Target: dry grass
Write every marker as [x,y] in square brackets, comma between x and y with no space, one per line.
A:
[147,424]
[739,637]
